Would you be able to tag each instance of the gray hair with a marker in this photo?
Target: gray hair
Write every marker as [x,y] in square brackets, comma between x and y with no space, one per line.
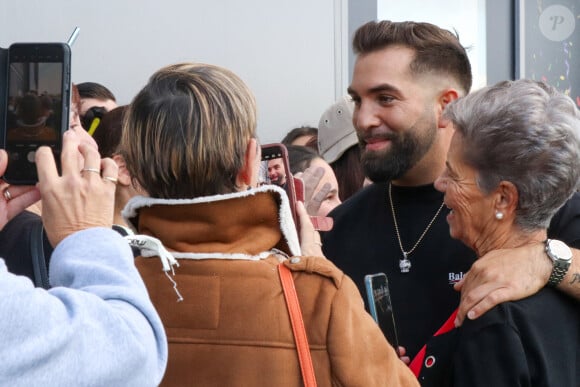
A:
[527,133]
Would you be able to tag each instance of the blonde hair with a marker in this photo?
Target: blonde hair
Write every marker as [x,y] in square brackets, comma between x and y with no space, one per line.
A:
[186,132]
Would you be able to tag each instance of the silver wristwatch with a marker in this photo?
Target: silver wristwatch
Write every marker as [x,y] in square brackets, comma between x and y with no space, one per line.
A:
[561,257]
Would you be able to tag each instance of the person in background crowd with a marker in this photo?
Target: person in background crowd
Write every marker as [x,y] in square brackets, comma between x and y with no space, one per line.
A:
[338,145]
[302,135]
[96,100]
[94,94]
[325,195]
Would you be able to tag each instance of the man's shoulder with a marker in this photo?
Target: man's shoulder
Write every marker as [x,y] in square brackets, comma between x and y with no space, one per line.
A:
[361,201]
[535,310]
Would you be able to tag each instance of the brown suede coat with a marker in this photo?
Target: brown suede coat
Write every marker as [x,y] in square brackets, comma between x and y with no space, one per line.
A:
[233,327]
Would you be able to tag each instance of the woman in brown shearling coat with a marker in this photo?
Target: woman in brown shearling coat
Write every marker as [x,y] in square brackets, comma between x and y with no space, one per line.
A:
[189,141]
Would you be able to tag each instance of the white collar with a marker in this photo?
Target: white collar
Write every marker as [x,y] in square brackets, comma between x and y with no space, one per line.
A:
[287,225]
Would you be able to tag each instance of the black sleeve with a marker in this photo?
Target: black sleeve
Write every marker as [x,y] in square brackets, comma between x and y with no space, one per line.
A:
[565,224]
[492,356]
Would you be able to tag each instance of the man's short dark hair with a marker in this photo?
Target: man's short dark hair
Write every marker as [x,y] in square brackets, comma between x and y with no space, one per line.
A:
[437,50]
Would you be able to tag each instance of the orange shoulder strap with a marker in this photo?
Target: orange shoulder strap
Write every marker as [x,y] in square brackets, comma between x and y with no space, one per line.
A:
[297,326]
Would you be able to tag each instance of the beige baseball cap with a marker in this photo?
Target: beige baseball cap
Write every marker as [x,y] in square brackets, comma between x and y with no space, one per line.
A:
[336,132]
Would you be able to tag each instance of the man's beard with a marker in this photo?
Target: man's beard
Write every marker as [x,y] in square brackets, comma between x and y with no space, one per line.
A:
[405,151]
[279,180]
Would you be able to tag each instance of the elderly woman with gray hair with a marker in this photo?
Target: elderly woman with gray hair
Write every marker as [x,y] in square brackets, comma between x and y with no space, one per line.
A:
[514,160]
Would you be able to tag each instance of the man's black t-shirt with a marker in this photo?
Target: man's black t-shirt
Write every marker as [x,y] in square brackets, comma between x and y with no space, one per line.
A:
[363,241]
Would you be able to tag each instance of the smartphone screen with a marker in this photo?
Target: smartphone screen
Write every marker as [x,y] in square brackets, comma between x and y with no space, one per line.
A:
[380,307]
[37,105]
[275,169]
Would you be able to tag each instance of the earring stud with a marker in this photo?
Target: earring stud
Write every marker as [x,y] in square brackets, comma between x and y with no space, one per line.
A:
[499,215]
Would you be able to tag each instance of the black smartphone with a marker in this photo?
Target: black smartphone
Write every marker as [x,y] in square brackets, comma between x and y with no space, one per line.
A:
[275,169]
[3,91]
[37,103]
[380,307]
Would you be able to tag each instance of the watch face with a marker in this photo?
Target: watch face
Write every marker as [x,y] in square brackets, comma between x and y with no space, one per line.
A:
[559,250]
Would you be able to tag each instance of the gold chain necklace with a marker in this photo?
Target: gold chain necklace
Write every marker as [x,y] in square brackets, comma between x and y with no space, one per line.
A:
[405,264]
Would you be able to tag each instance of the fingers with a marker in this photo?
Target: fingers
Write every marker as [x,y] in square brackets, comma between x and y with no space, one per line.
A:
[322,223]
[315,202]
[71,159]
[84,137]
[15,200]
[45,165]
[3,161]
[92,161]
[480,301]
[311,178]
[309,237]
[306,226]
[21,198]
[401,351]
[83,196]
[110,170]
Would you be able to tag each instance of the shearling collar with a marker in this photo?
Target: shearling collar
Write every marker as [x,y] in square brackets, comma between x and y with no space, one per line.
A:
[240,225]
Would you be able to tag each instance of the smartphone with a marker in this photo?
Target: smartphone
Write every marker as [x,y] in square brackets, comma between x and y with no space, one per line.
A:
[275,169]
[380,307]
[36,105]
[3,91]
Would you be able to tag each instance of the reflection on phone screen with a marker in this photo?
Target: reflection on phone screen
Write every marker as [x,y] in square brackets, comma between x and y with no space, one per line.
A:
[34,103]
[274,172]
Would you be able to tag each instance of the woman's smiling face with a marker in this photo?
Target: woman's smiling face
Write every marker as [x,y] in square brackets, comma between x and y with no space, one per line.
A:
[472,215]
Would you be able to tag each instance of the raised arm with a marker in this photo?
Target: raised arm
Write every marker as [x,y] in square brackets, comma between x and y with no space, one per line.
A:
[506,275]
[96,326]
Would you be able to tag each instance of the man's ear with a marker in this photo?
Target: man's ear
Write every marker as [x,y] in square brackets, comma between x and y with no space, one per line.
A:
[248,175]
[124,178]
[444,99]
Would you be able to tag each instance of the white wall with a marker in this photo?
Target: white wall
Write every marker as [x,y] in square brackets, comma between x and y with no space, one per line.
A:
[284,50]
[467,17]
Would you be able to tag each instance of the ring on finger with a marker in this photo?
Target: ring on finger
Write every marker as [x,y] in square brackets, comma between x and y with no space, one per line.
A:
[109,178]
[94,170]
[7,195]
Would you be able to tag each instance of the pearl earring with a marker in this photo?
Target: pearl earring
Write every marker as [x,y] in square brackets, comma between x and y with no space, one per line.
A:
[499,215]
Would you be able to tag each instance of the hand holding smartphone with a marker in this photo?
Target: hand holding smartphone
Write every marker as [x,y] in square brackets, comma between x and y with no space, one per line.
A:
[276,170]
[36,105]
[380,307]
